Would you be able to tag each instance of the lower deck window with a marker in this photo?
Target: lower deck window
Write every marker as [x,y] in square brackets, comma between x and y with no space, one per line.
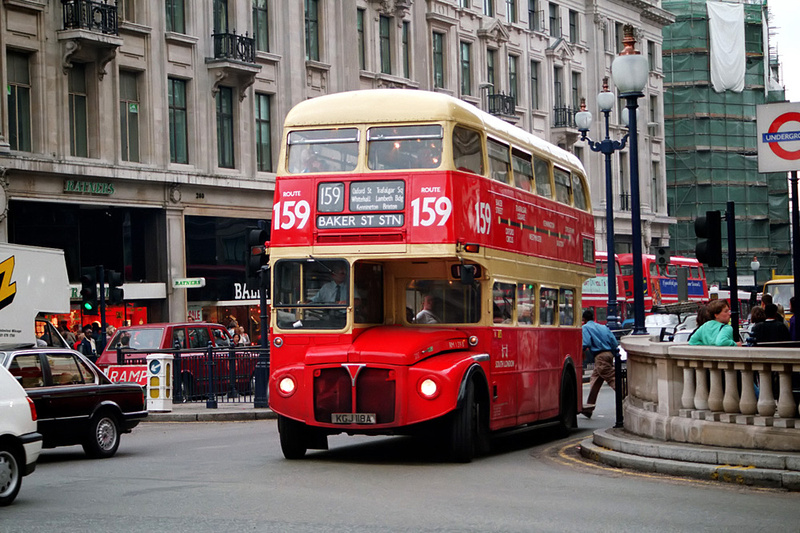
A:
[442,302]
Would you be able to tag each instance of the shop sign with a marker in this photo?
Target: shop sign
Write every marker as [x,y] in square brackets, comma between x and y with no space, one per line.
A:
[241,292]
[188,283]
[89,187]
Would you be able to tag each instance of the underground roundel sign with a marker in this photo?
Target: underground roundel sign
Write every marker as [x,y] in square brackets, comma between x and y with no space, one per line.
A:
[778,137]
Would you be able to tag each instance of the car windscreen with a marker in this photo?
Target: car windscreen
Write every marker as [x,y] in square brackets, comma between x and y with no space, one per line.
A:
[138,339]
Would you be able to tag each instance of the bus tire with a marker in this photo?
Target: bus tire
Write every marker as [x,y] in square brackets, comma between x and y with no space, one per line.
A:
[568,411]
[464,428]
[294,438]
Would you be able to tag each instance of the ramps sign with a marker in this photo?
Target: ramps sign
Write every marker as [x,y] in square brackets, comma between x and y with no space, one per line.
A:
[778,127]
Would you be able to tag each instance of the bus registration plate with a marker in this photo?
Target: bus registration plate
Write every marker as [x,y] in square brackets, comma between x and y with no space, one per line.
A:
[353,418]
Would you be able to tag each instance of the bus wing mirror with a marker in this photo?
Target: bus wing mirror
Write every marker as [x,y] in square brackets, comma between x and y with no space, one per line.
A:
[467,274]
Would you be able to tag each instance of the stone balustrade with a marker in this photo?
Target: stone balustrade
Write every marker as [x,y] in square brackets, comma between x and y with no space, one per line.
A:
[738,396]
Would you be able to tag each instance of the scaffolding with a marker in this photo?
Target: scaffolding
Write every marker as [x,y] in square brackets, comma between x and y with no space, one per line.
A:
[710,141]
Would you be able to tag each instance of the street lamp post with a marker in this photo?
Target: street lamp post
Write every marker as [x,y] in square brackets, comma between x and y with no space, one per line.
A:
[630,71]
[754,266]
[583,119]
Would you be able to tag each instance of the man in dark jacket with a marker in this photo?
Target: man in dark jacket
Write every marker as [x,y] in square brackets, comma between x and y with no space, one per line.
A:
[773,329]
[87,346]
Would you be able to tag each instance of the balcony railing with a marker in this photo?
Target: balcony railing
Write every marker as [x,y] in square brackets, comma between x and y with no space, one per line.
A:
[89,15]
[563,117]
[236,47]
[624,201]
[502,104]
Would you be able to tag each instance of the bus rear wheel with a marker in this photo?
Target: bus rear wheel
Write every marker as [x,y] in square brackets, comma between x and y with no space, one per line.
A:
[568,413]
[294,438]
[468,433]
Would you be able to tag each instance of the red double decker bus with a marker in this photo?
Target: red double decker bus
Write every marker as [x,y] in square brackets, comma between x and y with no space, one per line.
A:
[595,290]
[427,262]
[661,281]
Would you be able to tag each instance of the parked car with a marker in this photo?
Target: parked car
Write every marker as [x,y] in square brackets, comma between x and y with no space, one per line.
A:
[20,443]
[192,338]
[75,402]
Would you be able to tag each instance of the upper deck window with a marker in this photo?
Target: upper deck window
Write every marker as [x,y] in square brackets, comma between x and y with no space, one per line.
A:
[467,150]
[541,170]
[330,150]
[523,170]
[404,147]
[579,192]
[499,161]
[561,178]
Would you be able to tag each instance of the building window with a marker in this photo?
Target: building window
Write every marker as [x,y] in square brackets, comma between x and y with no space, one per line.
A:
[651,55]
[386,44]
[362,53]
[225,127]
[534,85]
[463,3]
[178,127]
[534,22]
[558,94]
[619,34]
[438,60]
[312,29]
[654,108]
[576,90]
[129,115]
[655,189]
[466,69]
[126,10]
[220,16]
[513,88]
[574,37]
[261,25]
[78,117]
[491,56]
[176,16]
[406,50]
[555,21]
[511,11]
[19,102]
[263,137]
[488,8]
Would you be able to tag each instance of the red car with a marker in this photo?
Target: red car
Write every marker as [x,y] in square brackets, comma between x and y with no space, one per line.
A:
[192,338]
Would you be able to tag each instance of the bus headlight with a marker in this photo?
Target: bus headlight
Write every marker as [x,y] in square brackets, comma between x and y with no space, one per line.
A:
[473,340]
[278,342]
[428,388]
[286,386]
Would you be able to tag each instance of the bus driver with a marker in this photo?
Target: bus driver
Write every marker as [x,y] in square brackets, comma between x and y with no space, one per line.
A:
[335,291]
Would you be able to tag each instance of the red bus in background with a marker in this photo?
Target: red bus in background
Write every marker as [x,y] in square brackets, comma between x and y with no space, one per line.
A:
[595,290]
[427,261]
[661,283]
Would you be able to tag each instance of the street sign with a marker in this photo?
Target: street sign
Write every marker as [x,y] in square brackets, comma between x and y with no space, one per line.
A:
[778,127]
[188,283]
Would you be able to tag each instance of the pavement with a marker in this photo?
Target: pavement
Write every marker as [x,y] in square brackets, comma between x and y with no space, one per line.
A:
[612,446]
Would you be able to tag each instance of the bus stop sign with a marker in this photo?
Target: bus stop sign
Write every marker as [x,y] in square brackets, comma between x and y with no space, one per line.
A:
[778,142]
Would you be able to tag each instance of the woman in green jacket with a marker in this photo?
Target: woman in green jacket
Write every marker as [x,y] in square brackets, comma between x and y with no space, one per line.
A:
[717,331]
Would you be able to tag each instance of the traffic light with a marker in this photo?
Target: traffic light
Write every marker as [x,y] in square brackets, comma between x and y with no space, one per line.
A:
[709,238]
[89,290]
[662,256]
[115,292]
[256,252]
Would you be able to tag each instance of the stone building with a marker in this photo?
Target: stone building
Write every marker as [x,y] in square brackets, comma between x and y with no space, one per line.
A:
[142,135]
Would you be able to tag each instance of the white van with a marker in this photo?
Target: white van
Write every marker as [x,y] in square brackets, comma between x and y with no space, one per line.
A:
[20,444]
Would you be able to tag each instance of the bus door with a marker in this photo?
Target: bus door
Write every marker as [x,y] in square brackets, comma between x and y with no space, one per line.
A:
[505,355]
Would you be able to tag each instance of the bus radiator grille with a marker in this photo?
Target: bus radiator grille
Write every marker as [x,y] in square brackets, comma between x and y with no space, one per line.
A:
[375,393]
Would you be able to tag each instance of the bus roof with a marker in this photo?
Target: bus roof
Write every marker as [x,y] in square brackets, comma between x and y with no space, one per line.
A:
[377,106]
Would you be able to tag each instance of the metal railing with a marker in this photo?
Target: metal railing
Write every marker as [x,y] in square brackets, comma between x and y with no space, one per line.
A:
[563,117]
[90,15]
[624,201]
[502,104]
[216,374]
[236,47]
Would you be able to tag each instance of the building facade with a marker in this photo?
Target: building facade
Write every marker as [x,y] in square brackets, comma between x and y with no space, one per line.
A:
[143,135]
[712,143]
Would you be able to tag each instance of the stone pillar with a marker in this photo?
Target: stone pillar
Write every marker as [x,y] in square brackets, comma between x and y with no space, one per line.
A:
[747,405]
[176,251]
[766,401]
[687,399]
[731,401]
[715,394]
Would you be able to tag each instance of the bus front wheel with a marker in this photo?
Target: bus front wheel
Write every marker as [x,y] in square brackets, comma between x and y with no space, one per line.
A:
[468,432]
[294,438]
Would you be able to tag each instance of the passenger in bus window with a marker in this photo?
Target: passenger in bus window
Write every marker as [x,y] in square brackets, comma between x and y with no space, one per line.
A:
[431,308]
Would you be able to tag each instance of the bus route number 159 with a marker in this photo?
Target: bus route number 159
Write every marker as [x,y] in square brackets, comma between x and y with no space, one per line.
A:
[289,212]
[430,210]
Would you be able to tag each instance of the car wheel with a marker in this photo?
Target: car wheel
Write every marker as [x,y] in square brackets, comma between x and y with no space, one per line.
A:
[294,438]
[103,438]
[10,475]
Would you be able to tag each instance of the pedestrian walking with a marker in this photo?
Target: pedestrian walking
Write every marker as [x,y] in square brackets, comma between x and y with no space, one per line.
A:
[602,344]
